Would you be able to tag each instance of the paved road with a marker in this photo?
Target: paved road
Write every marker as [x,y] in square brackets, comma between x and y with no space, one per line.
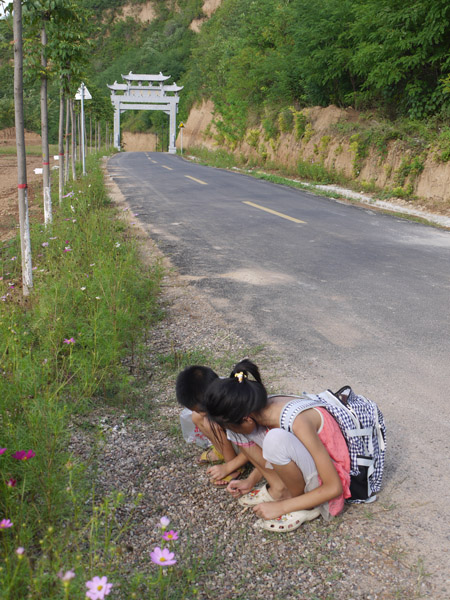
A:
[349,295]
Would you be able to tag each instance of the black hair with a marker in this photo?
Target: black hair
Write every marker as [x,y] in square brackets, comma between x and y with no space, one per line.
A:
[191,385]
[229,401]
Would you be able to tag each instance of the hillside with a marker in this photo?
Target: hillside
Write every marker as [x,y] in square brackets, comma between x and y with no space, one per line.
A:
[269,70]
[337,146]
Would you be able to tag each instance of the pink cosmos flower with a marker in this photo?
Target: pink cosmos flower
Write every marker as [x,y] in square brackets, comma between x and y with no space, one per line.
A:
[24,455]
[163,557]
[98,588]
[164,521]
[3,450]
[11,482]
[5,524]
[67,249]
[44,244]
[67,576]
[69,340]
[170,535]
[20,550]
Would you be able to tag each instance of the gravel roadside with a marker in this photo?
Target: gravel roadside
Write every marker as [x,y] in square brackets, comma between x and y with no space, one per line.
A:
[359,555]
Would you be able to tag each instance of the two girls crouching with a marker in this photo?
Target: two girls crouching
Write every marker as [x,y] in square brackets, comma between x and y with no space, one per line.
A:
[295,446]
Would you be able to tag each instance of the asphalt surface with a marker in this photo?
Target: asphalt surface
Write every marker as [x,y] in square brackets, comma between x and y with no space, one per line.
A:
[346,294]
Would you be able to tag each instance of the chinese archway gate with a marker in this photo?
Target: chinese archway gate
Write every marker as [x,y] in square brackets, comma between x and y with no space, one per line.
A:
[145,92]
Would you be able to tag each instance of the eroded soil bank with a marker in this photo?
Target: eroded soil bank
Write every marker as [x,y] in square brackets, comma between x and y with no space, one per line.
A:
[391,166]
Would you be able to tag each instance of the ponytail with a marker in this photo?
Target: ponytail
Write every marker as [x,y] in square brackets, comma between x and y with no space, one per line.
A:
[246,366]
[229,401]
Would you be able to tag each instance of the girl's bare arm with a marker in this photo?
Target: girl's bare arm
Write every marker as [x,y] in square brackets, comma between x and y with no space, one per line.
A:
[305,429]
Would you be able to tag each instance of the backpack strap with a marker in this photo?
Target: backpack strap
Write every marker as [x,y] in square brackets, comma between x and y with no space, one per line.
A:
[296,406]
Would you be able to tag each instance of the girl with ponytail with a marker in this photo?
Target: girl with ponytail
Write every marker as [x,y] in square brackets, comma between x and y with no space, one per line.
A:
[294,443]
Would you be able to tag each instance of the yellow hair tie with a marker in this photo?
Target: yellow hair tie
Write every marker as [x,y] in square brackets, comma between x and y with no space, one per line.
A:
[240,376]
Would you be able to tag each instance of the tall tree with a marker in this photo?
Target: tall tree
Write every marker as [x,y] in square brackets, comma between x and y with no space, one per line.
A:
[38,13]
[25,242]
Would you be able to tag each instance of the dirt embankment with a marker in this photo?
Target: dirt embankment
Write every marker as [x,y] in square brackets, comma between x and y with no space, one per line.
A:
[393,166]
[9,208]
[139,142]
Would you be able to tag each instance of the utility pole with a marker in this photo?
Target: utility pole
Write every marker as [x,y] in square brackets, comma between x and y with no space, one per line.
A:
[25,242]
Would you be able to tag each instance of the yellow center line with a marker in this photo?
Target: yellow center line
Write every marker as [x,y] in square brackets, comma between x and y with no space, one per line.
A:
[274,212]
[168,168]
[197,180]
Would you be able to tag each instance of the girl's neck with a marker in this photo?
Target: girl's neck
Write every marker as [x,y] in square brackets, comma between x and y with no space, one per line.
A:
[269,416]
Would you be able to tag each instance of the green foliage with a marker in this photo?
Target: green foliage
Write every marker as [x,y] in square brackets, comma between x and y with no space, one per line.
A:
[410,167]
[252,138]
[314,172]
[300,124]
[286,120]
[443,145]
[58,352]
[270,127]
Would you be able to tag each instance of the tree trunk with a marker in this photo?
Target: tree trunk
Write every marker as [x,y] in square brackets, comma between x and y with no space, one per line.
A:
[99,136]
[25,242]
[61,142]
[66,170]
[72,133]
[44,130]
[90,134]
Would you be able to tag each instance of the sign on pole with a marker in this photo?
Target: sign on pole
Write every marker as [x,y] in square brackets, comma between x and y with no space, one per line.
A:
[181,126]
[83,94]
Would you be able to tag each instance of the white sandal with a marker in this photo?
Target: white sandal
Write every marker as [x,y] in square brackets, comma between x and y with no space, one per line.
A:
[256,496]
[289,521]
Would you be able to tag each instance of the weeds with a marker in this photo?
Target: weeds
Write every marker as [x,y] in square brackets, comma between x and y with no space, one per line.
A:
[59,351]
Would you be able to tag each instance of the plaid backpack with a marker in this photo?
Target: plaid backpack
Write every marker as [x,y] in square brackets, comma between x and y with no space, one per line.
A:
[362,425]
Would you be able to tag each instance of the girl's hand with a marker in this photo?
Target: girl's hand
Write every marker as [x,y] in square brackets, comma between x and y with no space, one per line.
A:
[217,472]
[268,510]
[239,487]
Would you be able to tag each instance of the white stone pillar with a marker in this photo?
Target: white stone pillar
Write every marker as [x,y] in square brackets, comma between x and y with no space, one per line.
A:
[117,125]
[172,126]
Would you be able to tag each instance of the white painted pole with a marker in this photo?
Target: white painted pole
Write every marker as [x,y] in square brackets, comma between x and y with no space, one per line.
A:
[83,153]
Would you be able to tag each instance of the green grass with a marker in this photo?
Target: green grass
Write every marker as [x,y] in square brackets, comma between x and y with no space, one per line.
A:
[30,150]
[60,354]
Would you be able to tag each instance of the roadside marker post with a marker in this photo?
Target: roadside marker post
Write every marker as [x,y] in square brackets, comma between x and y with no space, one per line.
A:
[83,94]
[181,127]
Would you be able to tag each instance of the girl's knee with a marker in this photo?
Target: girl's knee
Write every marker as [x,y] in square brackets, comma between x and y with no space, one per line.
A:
[276,446]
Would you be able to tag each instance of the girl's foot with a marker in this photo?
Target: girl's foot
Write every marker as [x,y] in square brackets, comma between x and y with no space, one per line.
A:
[287,522]
[256,496]
[211,456]
[226,480]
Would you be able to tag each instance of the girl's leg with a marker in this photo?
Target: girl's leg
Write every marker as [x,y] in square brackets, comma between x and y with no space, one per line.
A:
[291,461]
[277,488]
